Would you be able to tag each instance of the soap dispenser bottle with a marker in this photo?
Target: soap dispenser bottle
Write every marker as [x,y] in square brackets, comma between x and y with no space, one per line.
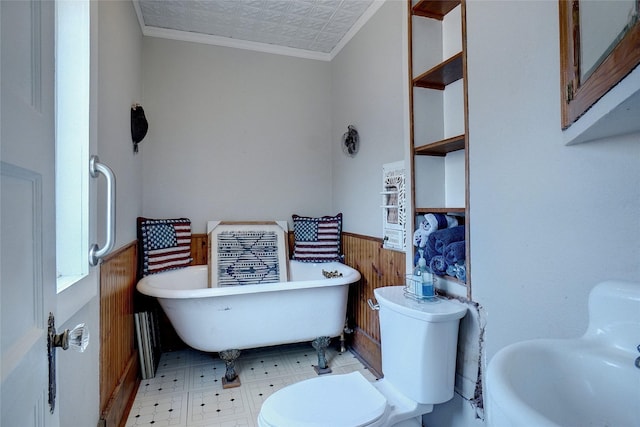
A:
[418,273]
[426,278]
[428,290]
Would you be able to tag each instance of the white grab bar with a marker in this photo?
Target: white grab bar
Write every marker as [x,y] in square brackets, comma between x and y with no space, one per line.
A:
[96,253]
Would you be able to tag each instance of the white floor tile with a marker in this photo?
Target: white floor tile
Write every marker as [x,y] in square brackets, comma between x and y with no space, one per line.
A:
[187,388]
[261,367]
[258,391]
[215,406]
[166,381]
[164,410]
[175,359]
[207,375]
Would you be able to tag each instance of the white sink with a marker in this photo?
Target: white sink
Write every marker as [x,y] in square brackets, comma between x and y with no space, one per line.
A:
[587,381]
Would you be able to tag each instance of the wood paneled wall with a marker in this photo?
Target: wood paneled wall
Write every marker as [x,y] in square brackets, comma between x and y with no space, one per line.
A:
[199,249]
[378,267]
[119,364]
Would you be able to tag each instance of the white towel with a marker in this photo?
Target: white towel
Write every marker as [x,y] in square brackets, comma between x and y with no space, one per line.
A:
[437,222]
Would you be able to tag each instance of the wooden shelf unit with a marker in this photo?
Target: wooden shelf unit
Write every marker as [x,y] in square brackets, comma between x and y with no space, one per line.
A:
[439,78]
[436,9]
[442,74]
[442,147]
[423,211]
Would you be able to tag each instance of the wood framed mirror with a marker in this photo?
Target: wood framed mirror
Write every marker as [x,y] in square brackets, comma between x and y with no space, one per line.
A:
[599,46]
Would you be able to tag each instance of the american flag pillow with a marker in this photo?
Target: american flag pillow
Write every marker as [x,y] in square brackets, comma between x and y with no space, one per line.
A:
[165,244]
[317,239]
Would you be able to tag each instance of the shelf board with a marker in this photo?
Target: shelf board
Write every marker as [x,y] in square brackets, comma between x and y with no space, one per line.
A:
[441,148]
[441,75]
[435,9]
[422,211]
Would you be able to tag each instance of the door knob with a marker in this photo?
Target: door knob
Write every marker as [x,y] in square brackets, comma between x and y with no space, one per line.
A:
[76,338]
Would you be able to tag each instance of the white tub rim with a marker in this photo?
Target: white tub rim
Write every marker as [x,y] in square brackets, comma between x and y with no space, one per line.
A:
[199,273]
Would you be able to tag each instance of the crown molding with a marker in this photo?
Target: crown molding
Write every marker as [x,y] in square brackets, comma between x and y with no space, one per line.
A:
[234,43]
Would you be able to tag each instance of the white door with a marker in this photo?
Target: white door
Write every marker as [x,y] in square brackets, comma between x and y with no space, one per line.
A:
[27,204]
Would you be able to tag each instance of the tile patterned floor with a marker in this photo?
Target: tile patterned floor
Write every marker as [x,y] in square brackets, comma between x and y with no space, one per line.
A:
[187,389]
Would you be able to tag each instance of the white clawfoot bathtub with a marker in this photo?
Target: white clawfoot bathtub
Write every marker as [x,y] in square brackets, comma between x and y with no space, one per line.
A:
[249,316]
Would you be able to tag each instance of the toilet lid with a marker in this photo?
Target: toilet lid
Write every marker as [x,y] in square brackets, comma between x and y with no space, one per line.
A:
[333,400]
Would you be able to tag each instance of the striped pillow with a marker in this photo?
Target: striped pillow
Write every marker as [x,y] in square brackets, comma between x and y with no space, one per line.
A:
[165,244]
[317,239]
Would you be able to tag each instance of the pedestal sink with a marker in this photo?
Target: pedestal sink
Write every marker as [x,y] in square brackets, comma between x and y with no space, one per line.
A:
[593,380]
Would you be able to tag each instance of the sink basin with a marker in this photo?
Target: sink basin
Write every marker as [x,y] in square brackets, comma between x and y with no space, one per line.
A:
[547,383]
[588,381]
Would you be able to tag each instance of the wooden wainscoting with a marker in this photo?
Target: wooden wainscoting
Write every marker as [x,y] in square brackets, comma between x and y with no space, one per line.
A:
[378,267]
[119,365]
[199,249]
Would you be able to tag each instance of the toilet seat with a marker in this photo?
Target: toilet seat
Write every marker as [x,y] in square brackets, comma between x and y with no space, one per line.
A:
[348,400]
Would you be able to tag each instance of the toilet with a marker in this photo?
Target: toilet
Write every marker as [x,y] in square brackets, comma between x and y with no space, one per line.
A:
[419,346]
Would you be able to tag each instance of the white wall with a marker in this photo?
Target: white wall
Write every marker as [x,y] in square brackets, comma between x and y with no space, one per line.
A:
[78,374]
[549,221]
[368,90]
[240,135]
[233,134]
[120,86]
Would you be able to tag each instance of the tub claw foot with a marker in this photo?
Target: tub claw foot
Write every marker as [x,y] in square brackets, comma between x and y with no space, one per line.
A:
[345,331]
[321,344]
[230,378]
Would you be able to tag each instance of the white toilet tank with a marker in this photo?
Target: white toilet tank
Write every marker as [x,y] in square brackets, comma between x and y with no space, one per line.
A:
[419,344]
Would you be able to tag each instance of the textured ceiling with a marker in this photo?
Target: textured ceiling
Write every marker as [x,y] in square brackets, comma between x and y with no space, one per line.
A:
[310,25]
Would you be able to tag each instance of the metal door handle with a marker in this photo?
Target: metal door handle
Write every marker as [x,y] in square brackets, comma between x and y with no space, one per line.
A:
[95,168]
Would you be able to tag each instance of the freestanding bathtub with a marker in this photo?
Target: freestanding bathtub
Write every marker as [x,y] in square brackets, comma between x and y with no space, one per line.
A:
[239,317]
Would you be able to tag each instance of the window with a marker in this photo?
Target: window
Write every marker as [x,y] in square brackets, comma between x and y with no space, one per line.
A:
[72,140]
